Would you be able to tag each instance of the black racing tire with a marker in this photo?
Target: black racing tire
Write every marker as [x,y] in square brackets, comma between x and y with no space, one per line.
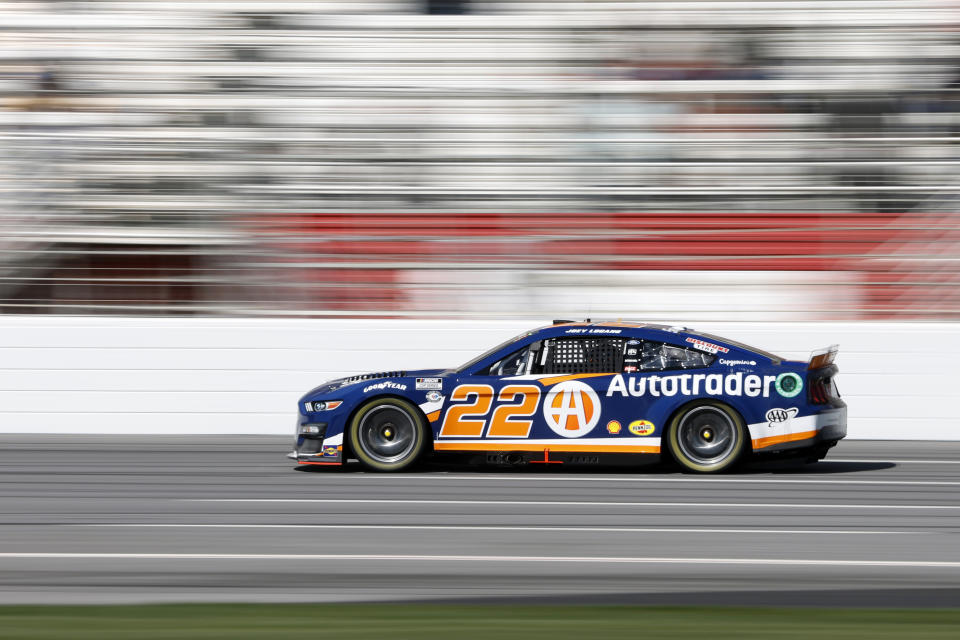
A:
[388,434]
[707,437]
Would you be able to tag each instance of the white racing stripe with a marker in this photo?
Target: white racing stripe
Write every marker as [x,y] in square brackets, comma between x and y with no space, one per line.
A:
[796,424]
[580,503]
[430,527]
[333,441]
[928,564]
[429,407]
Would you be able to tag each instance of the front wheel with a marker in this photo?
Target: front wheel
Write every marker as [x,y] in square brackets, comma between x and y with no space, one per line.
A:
[387,434]
[707,437]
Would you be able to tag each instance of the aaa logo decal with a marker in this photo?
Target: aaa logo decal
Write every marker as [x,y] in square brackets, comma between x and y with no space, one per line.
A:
[641,427]
[571,409]
[779,416]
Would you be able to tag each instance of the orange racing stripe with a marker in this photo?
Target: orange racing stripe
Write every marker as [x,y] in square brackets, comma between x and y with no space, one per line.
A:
[555,379]
[433,416]
[580,448]
[760,443]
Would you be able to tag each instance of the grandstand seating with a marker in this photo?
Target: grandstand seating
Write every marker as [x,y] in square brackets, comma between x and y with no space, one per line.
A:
[318,150]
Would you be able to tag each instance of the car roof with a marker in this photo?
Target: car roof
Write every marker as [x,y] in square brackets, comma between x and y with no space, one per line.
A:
[623,324]
[650,330]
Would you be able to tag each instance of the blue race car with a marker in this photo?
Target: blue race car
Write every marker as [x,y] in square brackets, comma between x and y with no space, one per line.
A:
[582,393]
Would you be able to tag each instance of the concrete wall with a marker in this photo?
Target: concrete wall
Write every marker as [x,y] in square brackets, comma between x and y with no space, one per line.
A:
[211,375]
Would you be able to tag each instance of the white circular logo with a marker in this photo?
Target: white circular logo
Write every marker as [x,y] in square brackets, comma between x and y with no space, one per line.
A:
[571,409]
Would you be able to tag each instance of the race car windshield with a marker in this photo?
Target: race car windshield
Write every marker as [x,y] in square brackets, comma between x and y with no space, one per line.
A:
[490,352]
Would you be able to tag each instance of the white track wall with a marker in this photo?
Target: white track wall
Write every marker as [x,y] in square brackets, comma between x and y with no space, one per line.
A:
[244,376]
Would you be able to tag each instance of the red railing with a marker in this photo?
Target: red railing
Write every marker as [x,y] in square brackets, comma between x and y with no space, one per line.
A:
[906,260]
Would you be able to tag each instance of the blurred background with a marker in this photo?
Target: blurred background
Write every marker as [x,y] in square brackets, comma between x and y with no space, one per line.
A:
[209,207]
[706,160]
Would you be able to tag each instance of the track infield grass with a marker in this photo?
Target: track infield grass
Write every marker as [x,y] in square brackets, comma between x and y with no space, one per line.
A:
[466,622]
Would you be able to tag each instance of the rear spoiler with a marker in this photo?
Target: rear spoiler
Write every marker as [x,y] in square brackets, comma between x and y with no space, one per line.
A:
[823,357]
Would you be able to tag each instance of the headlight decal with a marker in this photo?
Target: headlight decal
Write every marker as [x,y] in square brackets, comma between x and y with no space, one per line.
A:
[323,405]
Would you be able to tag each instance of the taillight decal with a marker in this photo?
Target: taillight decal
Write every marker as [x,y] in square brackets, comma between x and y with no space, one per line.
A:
[820,390]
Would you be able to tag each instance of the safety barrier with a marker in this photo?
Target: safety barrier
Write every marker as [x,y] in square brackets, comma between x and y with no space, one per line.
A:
[243,376]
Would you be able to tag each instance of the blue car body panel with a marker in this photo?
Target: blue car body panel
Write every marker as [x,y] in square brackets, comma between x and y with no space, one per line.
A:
[570,414]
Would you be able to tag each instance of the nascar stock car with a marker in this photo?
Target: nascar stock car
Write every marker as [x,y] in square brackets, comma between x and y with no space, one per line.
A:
[582,392]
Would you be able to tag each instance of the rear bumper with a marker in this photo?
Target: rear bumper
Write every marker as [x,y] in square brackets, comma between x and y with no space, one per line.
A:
[825,427]
[833,424]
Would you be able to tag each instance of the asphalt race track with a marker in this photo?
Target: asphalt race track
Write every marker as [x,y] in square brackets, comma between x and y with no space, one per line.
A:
[137,519]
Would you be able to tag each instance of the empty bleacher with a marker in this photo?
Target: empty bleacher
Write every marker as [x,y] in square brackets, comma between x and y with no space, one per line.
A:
[301,157]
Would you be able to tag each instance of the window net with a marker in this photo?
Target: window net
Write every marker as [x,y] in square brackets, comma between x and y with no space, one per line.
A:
[584,355]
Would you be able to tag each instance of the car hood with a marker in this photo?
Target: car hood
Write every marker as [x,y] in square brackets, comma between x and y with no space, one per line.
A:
[335,385]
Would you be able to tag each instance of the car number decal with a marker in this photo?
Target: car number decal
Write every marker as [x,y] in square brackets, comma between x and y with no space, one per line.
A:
[571,409]
[470,419]
[506,422]
[461,419]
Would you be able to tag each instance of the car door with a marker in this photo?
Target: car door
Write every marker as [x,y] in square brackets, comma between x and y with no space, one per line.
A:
[493,404]
[575,373]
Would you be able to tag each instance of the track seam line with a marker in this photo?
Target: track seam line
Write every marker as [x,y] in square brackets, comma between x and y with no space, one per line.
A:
[159,525]
[485,558]
[569,503]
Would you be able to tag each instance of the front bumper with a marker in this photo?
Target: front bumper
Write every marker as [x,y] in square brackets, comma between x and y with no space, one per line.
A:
[317,448]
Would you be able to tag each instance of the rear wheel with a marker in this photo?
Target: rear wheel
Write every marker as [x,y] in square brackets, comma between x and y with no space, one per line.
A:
[387,434]
[707,437]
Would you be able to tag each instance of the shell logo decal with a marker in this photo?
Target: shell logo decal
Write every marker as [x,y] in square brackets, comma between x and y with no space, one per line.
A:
[641,427]
[571,409]
[613,427]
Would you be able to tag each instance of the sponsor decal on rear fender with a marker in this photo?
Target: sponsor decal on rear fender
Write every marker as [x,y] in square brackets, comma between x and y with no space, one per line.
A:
[789,384]
[780,416]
